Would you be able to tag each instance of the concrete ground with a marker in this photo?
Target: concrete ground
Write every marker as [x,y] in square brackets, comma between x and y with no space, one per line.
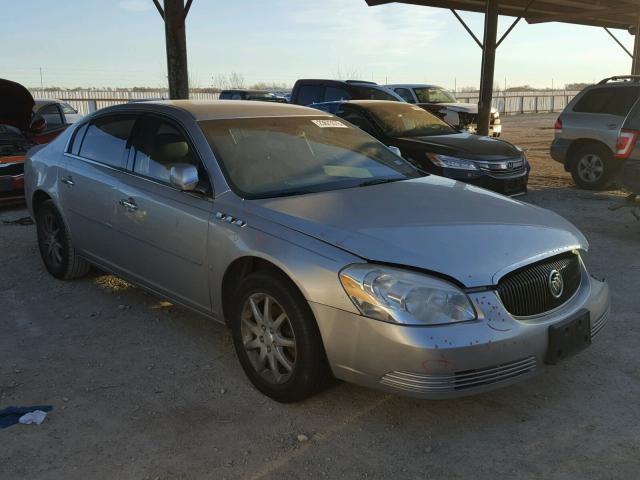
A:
[144,390]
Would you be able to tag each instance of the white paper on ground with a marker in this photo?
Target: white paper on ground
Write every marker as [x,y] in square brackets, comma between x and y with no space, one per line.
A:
[37,417]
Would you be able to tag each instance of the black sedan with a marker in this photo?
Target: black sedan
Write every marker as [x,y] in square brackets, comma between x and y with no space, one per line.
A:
[435,146]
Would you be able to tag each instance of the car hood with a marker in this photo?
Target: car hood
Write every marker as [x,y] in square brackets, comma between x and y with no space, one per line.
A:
[433,223]
[470,146]
[16,104]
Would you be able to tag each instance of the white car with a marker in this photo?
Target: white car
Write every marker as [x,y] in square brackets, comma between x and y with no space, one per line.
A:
[443,103]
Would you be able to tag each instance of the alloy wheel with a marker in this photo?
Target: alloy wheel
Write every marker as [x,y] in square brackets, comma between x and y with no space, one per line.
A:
[268,338]
[590,168]
[51,241]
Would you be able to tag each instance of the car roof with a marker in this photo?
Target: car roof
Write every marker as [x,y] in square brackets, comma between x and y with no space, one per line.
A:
[413,85]
[39,102]
[221,109]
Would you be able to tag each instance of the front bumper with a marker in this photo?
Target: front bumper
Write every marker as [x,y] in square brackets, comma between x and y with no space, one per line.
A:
[450,360]
[507,185]
[11,178]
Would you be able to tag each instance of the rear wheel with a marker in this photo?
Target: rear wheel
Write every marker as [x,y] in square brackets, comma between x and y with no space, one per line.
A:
[593,167]
[54,242]
[277,340]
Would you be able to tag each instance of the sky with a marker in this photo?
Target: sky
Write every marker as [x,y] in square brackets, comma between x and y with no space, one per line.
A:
[120,43]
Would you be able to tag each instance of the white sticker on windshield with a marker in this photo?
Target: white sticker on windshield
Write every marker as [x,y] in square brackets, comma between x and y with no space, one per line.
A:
[329,124]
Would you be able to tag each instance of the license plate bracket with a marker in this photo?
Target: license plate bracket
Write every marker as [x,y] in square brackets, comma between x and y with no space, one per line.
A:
[568,337]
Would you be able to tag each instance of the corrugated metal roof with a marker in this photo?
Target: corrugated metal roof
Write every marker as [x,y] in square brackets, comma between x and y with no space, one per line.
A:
[600,13]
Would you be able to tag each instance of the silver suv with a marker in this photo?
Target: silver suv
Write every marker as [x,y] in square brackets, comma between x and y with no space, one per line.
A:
[587,130]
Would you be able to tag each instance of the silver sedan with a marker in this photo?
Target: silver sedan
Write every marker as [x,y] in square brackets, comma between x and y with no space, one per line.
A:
[327,255]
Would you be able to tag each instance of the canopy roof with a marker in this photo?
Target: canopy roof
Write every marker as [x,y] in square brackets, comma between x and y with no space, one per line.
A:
[600,13]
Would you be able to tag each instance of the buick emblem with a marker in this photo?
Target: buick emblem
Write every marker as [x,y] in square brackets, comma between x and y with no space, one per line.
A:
[556,284]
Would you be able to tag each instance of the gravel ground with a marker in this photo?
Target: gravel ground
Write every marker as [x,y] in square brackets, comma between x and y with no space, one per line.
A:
[144,390]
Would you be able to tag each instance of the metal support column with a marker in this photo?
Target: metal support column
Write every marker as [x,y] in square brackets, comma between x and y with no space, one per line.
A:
[488,66]
[174,15]
[635,65]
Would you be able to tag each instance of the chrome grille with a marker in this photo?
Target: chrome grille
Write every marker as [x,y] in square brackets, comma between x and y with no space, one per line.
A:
[526,291]
[424,383]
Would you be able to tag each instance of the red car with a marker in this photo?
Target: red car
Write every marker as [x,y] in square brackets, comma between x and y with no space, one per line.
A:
[20,130]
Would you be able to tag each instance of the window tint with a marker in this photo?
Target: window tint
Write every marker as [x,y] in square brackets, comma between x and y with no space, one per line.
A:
[225,96]
[612,101]
[405,94]
[52,116]
[159,146]
[77,139]
[106,139]
[309,94]
[333,94]
[236,96]
[68,109]
[358,119]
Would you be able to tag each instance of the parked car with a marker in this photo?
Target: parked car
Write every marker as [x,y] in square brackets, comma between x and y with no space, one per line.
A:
[435,146]
[325,253]
[261,95]
[57,114]
[586,131]
[306,91]
[19,131]
[628,150]
[444,104]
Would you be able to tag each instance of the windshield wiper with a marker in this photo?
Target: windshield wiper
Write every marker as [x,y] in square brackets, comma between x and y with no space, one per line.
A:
[378,181]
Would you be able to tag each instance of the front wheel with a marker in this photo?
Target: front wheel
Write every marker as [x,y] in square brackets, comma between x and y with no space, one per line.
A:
[277,340]
[54,241]
[593,167]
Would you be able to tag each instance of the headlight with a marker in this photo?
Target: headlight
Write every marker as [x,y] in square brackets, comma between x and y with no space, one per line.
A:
[447,161]
[401,296]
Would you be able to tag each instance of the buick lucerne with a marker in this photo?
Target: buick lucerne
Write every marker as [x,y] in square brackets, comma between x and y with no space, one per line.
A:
[326,254]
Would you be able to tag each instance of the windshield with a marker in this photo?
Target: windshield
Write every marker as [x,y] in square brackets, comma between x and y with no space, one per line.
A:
[434,95]
[277,156]
[373,93]
[404,120]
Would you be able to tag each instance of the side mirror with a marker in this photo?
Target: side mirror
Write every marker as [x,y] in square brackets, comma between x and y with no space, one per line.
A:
[184,176]
[38,125]
[395,150]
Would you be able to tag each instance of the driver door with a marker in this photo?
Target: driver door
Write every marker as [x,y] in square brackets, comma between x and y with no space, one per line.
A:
[163,229]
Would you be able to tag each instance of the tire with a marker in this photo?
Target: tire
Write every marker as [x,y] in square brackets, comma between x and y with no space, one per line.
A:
[290,337]
[54,241]
[593,167]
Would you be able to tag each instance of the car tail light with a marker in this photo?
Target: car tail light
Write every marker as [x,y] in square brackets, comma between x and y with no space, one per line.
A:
[626,141]
[558,126]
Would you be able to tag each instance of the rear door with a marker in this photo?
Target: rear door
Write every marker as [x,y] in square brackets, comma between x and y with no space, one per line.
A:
[163,231]
[90,181]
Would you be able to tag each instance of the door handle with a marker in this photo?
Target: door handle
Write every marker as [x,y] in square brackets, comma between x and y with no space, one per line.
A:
[128,203]
[612,126]
[68,181]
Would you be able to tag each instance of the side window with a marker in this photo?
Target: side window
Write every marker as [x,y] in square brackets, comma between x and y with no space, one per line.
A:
[225,96]
[106,139]
[236,96]
[68,109]
[333,94]
[309,94]
[52,116]
[358,119]
[405,94]
[158,146]
[613,100]
[74,148]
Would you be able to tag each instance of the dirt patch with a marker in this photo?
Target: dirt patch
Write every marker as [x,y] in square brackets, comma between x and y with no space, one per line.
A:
[145,390]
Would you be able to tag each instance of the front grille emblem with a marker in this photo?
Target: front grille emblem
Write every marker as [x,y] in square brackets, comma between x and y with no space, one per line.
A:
[556,284]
